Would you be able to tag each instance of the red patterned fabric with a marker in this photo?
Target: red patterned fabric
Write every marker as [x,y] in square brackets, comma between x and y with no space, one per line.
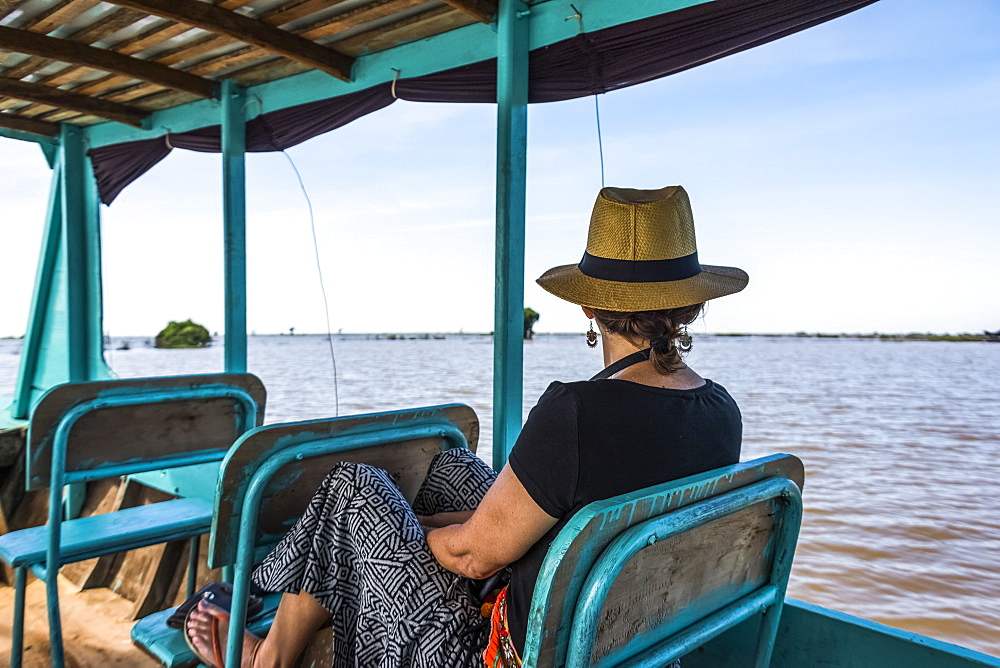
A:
[500,652]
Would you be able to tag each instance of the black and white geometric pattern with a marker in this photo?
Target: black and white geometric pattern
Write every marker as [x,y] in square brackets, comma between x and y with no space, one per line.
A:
[360,551]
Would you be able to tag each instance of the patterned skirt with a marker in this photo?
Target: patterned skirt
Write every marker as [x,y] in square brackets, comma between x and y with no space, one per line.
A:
[360,551]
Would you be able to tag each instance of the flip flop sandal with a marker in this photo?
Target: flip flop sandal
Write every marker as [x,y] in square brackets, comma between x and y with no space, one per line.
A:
[218,657]
[219,594]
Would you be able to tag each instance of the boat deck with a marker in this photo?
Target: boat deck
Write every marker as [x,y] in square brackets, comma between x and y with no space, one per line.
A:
[96,626]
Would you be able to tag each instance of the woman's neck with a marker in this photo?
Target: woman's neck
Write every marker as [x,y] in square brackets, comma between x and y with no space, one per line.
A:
[616,347]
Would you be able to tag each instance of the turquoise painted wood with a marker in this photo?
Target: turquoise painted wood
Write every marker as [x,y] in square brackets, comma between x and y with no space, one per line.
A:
[40,320]
[254,493]
[596,546]
[121,530]
[20,135]
[197,481]
[292,455]
[63,338]
[674,638]
[120,427]
[809,636]
[234,211]
[408,462]
[86,431]
[82,231]
[51,153]
[513,32]
[455,48]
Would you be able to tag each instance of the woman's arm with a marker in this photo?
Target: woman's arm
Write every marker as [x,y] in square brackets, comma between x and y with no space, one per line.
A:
[438,520]
[506,524]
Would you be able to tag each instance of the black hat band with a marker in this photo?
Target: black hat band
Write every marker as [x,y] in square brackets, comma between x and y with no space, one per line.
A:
[640,271]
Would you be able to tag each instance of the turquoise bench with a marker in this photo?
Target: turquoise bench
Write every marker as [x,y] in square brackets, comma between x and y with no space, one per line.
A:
[644,578]
[81,432]
[271,473]
[636,580]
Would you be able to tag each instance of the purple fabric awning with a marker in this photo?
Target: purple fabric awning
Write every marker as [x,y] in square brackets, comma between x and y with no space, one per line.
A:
[587,64]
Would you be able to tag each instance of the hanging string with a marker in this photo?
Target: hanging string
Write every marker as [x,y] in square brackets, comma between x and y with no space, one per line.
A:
[600,140]
[322,287]
[597,103]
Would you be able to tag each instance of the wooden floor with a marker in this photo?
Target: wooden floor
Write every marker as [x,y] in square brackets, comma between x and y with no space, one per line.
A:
[96,625]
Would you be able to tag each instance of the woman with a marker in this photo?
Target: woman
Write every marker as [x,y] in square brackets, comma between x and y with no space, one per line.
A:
[359,557]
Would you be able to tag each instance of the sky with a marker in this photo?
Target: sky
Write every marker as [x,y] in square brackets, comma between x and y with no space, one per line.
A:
[851,169]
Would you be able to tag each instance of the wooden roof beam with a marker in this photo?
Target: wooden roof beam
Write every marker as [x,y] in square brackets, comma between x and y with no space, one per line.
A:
[24,41]
[293,10]
[40,94]
[358,16]
[12,122]
[150,36]
[26,67]
[245,29]
[484,11]
[107,25]
[59,14]
[234,4]
[55,117]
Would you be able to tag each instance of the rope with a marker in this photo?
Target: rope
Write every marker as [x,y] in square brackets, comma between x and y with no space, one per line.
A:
[597,104]
[322,286]
[600,140]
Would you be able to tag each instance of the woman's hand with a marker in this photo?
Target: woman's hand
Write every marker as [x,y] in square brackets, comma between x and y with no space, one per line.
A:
[506,524]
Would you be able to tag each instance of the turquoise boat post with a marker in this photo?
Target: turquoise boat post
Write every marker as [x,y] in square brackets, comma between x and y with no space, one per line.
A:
[234,221]
[63,341]
[41,321]
[513,31]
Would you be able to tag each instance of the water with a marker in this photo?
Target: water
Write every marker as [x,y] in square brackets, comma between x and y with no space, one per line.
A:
[901,442]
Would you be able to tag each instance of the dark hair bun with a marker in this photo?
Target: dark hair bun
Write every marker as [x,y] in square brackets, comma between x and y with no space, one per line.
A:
[659,343]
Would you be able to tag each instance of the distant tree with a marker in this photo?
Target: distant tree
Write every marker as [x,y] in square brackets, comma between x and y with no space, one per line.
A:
[530,318]
[185,334]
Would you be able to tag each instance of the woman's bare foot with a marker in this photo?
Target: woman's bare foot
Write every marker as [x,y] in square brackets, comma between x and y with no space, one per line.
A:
[199,629]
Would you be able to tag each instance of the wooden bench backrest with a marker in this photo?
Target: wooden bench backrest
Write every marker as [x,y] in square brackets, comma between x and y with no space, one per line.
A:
[289,490]
[143,432]
[669,583]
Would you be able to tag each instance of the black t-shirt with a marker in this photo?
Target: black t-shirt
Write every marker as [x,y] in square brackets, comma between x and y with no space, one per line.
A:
[592,440]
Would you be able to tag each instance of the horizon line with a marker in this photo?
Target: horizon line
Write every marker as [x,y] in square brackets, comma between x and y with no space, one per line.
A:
[420,333]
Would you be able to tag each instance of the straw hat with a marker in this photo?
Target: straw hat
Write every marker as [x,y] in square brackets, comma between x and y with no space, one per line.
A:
[641,256]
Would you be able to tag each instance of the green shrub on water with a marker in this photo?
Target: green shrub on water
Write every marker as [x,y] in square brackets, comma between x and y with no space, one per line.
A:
[187,334]
[530,318]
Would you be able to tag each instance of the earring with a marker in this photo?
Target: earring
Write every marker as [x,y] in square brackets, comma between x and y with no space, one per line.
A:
[684,339]
[592,336]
